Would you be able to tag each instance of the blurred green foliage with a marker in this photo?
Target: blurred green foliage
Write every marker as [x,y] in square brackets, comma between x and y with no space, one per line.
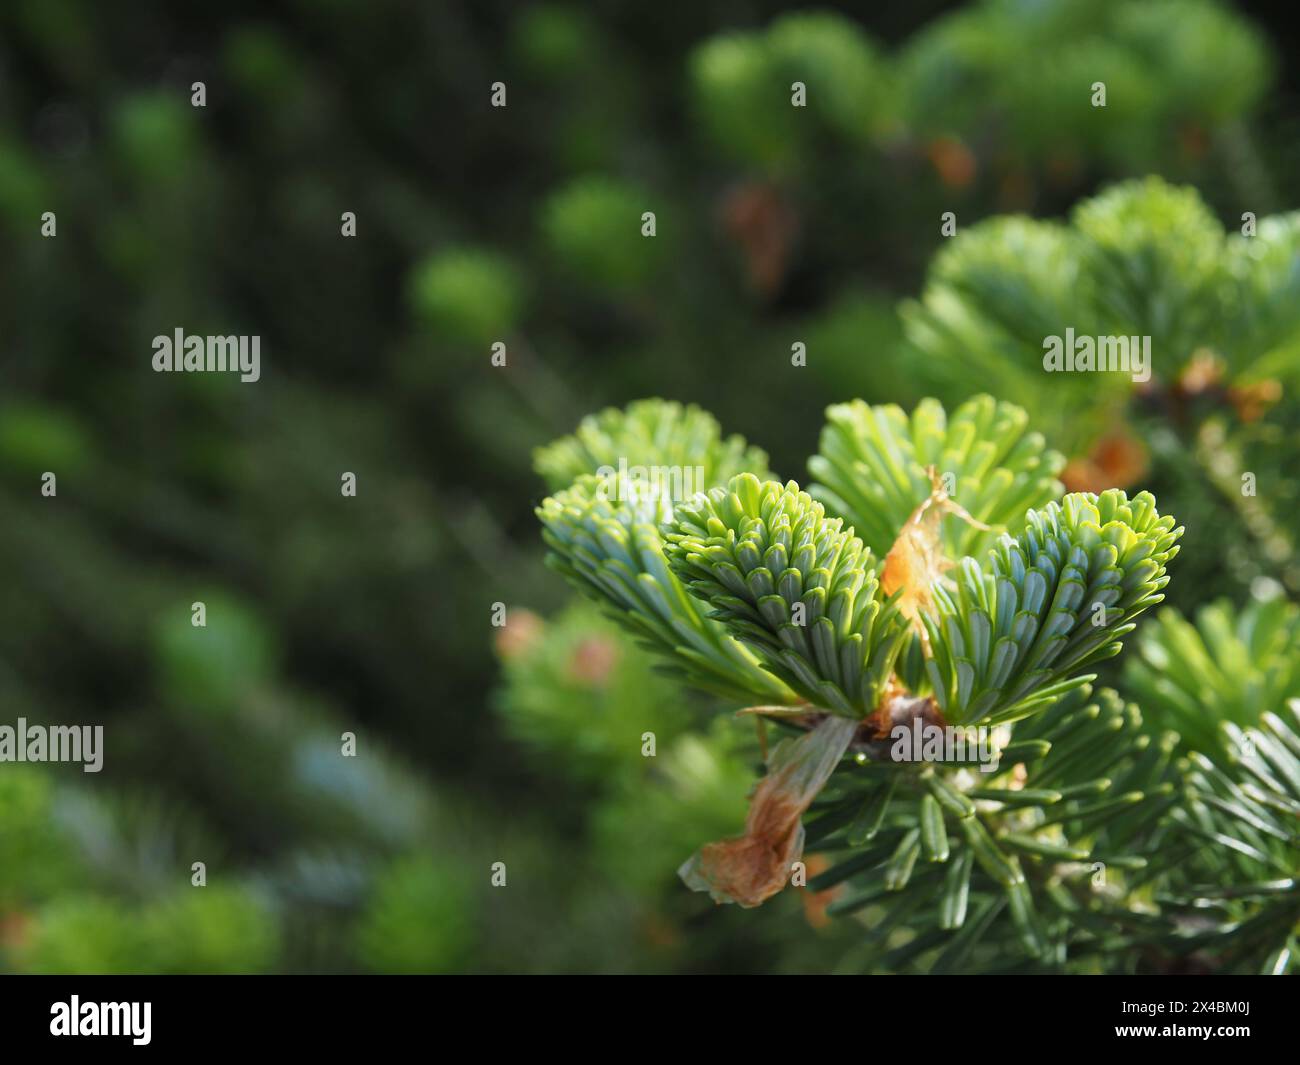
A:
[466,295]
[418,919]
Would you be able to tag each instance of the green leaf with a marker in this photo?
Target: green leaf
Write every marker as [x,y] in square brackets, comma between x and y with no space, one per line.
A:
[1086,560]
[1229,666]
[900,866]
[871,468]
[654,441]
[956,891]
[613,551]
[933,834]
[793,585]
